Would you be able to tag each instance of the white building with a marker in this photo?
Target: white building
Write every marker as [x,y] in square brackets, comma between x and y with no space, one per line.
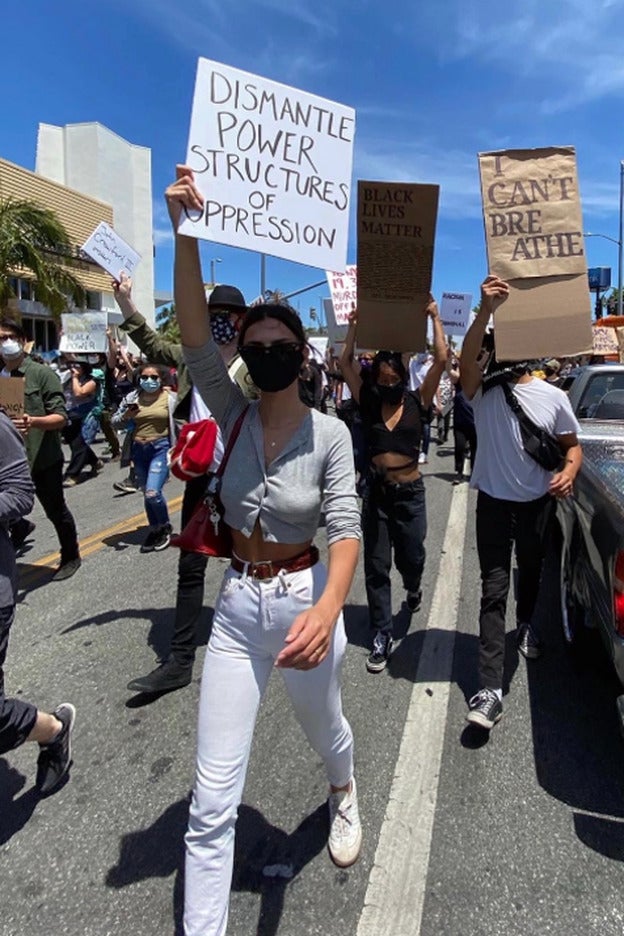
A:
[95,161]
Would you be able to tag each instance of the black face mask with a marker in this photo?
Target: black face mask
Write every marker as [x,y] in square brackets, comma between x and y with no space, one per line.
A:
[390,395]
[274,368]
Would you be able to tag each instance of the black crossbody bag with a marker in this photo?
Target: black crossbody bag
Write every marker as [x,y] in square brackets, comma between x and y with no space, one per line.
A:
[539,444]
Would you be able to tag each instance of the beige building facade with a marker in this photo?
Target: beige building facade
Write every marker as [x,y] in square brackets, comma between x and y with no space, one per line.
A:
[80,215]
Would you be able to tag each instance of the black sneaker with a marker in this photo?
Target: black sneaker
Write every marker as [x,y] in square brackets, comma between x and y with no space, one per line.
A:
[151,539]
[528,644]
[413,600]
[459,477]
[485,709]
[55,758]
[163,538]
[127,486]
[168,676]
[382,648]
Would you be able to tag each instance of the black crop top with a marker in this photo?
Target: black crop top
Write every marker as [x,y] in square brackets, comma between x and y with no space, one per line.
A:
[405,437]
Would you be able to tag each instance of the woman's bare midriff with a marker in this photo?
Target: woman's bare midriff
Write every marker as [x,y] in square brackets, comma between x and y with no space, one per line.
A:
[255,549]
[391,463]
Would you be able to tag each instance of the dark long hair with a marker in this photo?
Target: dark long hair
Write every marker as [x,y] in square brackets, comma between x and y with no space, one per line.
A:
[393,360]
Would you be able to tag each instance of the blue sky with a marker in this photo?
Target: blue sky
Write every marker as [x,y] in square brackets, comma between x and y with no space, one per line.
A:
[433,83]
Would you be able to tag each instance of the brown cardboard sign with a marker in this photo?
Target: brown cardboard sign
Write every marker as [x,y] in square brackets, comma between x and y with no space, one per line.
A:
[533,230]
[396,235]
[12,396]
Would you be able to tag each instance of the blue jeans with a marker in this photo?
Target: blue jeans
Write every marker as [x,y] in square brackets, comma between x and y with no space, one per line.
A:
[152,471]
[393,517]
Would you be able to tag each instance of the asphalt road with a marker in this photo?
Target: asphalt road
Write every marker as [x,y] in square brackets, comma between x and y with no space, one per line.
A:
[525,831]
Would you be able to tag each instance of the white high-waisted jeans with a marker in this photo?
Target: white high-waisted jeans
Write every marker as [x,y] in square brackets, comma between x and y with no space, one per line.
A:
[250,623]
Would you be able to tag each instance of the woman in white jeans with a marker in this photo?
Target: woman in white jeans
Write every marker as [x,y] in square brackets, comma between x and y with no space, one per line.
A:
[278,606]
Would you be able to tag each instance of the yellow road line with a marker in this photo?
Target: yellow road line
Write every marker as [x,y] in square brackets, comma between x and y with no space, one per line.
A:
[93,543]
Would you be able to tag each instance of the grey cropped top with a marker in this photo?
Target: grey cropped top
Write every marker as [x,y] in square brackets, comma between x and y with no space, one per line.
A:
[314,471]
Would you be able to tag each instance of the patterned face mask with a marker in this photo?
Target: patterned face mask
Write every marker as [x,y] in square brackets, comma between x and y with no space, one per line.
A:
[223,330]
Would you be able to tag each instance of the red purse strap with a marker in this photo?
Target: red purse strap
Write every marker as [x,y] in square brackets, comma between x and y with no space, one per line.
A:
[231,442]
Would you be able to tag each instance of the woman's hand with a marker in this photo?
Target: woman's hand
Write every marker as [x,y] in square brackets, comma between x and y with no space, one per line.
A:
[353,317]
[307,641]
[183,194]
[432,307]
[493,291]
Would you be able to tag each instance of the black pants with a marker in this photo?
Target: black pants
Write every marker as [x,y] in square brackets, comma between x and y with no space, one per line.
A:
[191,575]
[109,433]
[17,718]
[499,524]
[393,516]
[49,489]
[81,453]
[464,436]
[443,422]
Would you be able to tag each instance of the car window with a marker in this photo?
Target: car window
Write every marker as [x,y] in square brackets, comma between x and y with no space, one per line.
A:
[591,405]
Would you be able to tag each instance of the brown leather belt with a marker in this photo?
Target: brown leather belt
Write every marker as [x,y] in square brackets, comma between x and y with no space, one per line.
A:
[267,570]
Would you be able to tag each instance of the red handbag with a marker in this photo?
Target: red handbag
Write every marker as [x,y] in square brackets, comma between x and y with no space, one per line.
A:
[193,452]
[207,532]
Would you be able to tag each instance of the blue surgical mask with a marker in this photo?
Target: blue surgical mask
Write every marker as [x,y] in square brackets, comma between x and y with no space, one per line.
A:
[149,384]
[11,348]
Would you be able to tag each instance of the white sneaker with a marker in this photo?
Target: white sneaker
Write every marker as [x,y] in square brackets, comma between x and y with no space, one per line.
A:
[345,831]
[422,459]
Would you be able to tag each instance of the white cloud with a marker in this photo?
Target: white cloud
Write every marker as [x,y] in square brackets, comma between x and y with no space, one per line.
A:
[575,45]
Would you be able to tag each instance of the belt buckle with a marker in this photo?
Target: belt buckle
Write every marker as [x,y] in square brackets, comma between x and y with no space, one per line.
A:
[255,574]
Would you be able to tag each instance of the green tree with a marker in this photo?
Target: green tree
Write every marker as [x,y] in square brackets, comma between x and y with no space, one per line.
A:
[33,241]
[167,324]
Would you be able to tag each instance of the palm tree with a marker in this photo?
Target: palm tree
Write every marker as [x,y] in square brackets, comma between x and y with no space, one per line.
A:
[34,240]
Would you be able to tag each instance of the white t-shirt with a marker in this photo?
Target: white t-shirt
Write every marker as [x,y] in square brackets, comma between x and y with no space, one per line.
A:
[502,468]
[418,367]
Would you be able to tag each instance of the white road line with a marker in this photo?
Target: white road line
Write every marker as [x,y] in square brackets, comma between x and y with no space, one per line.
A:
[395,895]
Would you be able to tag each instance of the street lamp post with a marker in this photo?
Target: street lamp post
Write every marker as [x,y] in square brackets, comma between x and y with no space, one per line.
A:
[212,269]
[619,241]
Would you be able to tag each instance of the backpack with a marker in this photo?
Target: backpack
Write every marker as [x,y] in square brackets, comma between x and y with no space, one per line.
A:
[193,452]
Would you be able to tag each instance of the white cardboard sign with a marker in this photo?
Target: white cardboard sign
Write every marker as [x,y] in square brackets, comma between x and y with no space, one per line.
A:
[337,333]
[111,251]
[274,166]
[343,289]
[84,331]
[455,312]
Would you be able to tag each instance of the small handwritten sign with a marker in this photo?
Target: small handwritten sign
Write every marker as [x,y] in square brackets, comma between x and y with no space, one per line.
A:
[605,340]
[455,312]
[84,331]
[112,253]
[274,166]
[12,396]
[343,289]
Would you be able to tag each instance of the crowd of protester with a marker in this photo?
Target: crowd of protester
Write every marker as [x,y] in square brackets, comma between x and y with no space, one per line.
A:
[294,461]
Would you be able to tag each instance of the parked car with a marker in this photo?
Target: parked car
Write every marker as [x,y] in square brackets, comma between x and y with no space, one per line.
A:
[596,391]
[592,521]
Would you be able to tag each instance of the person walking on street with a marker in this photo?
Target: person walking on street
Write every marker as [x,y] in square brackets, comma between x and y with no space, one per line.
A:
[148,415]
[278,606]
[393,510]
[85,390]
[44,417]
[21,721]
[516,496]
[225,306]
